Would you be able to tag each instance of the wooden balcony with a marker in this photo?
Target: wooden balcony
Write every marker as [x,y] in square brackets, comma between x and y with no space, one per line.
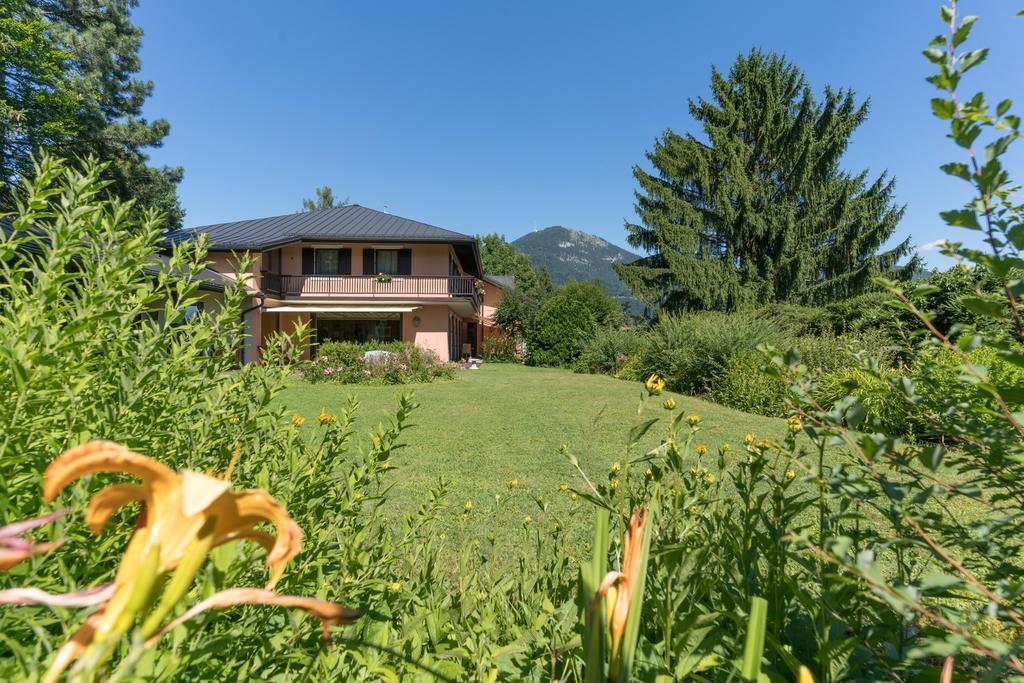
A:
[370,286]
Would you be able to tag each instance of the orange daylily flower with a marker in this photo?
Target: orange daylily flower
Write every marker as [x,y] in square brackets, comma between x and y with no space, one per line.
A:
[618,586]
[184,515]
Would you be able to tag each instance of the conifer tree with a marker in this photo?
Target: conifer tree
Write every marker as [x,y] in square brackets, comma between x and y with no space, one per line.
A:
[68,86]
[325,199]
[760,210]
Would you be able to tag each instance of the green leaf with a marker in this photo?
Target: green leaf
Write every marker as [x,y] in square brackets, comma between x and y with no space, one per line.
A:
[931,456]
[1003,107]
[965,132]
[638,431]
[754,647]
[961,218]
[964,30]
[591,575]
[969,60]
[943,108]
[983,307]
[958,169]
[935,55]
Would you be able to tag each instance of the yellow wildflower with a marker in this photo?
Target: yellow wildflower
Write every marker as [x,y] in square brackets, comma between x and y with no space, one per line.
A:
[326,418]
[573,496]
[564,486]
[693,419]
[702,449]
[725,448]
[764,444]
[749,439]
[614,484]
[395,586]
[468,506]
[298,420]
[710,479]
[649,473]
[670,403]
[513,483]
[616,466]
[790,474]
[655,385]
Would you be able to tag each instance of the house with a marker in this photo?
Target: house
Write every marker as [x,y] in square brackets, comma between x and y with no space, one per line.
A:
[356,274]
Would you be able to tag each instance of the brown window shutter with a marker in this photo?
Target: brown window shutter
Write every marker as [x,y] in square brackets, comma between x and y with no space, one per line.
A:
[344,262]
[368,262]
[307,261]
[405,261]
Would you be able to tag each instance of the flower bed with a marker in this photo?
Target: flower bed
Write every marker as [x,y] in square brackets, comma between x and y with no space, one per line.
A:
[374,363]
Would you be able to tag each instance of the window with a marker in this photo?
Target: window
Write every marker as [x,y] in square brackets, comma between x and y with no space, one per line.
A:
[386,261]
[326,262]
[359,330]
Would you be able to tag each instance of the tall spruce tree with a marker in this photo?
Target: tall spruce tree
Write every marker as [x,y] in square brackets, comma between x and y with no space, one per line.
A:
[761,210]
[68,85]
[325,199]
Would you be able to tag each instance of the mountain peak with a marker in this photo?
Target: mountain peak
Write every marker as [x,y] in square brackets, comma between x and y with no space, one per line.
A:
[571,254]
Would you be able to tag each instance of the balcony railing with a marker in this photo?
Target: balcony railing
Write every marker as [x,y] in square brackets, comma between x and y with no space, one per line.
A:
[428,286]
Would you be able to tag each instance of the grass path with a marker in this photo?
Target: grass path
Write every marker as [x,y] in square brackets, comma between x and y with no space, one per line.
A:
[507,422]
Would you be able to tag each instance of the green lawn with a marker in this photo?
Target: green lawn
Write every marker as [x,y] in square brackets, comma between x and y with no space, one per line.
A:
[506,421]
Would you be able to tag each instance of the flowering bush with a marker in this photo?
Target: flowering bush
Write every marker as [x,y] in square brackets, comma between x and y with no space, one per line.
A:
[374,363]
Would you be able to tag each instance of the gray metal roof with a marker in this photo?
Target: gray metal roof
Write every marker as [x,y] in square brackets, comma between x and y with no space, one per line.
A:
[344,223]
[501,281]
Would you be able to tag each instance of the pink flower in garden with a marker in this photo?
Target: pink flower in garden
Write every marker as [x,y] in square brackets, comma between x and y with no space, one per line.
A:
[328,371]
[14,548]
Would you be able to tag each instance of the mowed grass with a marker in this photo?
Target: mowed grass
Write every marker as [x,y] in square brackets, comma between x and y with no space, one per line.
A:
[506,422]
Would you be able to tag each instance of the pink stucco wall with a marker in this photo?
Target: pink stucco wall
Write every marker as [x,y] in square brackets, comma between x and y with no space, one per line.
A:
[432,332]
[490,301]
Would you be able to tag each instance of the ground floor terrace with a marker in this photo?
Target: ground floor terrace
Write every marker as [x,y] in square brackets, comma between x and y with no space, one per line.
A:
[450,333]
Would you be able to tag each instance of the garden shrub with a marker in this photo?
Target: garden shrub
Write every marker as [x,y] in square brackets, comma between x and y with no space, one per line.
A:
[609,351]
[632,370]
[882,404]
[560,331]
[691,351]
[743,386]
[501,349]
[945,398]
[595,298]
[399,363]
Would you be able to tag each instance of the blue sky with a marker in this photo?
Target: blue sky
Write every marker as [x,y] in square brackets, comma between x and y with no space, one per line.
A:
[487,116]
